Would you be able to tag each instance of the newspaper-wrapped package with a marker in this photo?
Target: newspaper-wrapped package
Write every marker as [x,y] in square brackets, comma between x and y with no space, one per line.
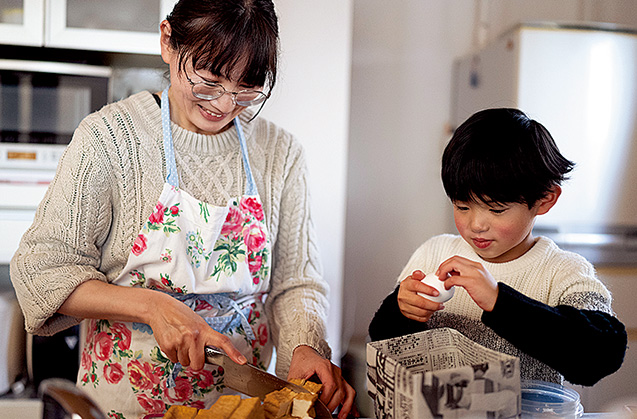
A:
[440,373]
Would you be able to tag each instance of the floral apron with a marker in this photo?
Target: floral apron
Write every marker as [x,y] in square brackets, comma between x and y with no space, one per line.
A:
[214,259]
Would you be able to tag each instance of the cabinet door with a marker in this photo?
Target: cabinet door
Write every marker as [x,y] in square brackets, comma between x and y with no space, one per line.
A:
[22,22]
[113,25]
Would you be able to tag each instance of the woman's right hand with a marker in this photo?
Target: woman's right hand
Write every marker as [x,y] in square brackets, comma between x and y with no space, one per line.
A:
[412,305]
[183,335]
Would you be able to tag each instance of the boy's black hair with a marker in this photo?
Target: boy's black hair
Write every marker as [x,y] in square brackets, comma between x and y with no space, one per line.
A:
[501,156]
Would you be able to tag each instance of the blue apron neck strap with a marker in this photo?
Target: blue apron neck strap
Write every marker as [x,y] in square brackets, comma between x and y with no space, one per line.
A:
[251,187]
[171,167]
[169,151]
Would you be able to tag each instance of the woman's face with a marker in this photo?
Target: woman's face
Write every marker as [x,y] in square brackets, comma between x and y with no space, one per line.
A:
[187,111]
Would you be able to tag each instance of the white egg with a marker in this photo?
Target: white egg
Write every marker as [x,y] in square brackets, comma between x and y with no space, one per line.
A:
[433,281]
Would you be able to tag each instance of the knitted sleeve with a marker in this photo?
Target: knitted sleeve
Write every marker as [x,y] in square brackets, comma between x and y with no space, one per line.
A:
[583,345]
[576,284]
[61,248]
[388,322]
[297,304]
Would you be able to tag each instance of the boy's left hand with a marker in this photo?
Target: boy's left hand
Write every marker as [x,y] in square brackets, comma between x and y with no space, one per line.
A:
[471,276]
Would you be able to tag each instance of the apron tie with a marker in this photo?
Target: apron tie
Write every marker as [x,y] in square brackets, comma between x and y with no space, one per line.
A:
[220,324]
[220,301]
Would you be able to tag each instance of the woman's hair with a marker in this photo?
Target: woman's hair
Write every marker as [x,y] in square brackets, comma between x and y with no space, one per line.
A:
[501,156]
[225,36]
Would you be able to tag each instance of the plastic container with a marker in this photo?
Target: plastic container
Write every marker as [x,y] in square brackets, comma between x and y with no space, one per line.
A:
[549,400]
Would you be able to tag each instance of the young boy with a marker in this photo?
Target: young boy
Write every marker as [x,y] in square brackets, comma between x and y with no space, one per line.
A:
[515,293]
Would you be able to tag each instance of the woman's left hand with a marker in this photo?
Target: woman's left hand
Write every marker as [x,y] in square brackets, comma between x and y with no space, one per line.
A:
[336,391]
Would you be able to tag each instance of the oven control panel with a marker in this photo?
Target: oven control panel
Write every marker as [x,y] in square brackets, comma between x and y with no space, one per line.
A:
[30,156]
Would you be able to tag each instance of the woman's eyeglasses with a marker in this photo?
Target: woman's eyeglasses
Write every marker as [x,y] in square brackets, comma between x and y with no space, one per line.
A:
[206,90]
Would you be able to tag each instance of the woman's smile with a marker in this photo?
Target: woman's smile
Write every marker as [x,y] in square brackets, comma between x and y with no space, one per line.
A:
[210,115]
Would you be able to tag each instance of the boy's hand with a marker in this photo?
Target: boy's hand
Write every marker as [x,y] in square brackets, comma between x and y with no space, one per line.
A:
[412,305]
[471,276]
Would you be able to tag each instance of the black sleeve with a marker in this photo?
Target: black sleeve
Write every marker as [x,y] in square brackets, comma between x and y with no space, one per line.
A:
[583,345]
[389,322]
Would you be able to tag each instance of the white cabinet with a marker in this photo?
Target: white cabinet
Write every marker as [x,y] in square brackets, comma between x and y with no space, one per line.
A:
[22,22]
[96,25]
[114,25]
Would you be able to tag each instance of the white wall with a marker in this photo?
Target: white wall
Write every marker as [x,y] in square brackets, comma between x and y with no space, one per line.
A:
[401,89]
[311,100]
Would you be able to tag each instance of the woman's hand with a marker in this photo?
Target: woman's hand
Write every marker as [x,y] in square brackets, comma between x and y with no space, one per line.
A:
[336,391]
[473,277]
[183,335]
[414,306]
[180,332]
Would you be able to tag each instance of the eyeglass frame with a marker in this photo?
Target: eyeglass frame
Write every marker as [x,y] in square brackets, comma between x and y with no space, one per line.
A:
[234,94]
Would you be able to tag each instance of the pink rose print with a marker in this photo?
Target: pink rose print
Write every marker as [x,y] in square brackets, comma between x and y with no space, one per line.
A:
[254,237]
[262,334]
[86,360]
[113,373]
[234,222]
[198,404]
[121,332]
[142,375]
[253,206]
[203,378]
[203,305]
[103,346]
[254,263]
[150,405]
[92,325]
[180,393]
[157,217]
[139,245]
[174,210]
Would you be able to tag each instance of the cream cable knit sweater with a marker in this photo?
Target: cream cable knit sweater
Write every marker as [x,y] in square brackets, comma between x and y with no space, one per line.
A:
[107,185]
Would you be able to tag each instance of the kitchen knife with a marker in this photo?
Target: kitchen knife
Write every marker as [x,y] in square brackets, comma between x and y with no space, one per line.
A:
[255,382]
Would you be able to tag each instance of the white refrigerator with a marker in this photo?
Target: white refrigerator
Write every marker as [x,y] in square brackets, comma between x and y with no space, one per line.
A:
[580,82]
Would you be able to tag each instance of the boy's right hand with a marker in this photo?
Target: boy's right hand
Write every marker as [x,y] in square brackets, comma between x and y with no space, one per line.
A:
[412,305]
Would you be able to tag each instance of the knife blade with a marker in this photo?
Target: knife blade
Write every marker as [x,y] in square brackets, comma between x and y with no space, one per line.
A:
[255,382]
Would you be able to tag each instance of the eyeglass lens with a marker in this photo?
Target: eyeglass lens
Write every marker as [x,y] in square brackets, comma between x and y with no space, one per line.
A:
[245,98]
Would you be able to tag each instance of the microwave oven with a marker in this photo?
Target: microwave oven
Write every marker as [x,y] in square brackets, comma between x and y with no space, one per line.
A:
[41,104]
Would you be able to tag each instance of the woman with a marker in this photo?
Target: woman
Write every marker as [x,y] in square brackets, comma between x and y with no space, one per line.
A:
[179,220]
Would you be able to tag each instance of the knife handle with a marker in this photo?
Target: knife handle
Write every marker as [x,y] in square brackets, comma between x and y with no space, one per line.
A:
[215,356]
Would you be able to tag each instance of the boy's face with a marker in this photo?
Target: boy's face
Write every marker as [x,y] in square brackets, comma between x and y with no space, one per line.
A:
[496,232]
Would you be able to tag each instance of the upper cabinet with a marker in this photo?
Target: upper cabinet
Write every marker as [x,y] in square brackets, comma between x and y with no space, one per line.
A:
[22,22]
[96,25]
